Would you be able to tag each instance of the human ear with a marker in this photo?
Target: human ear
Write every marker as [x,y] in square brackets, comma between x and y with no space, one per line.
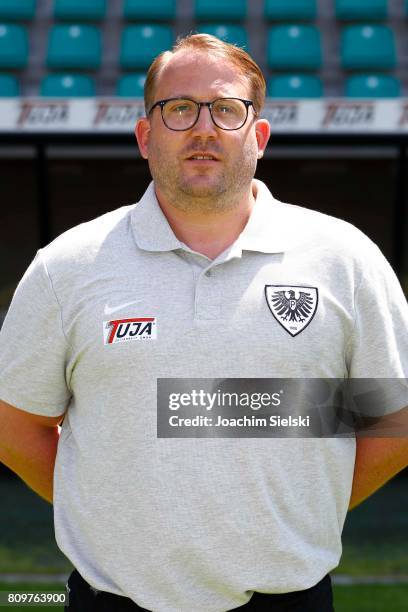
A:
[142,133]
[262,132]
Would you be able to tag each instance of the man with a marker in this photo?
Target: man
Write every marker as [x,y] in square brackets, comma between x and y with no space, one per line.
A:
[177,287]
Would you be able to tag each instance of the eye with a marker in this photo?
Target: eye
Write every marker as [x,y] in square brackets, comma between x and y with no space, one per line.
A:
[225,108]
[228,107]
[179,107]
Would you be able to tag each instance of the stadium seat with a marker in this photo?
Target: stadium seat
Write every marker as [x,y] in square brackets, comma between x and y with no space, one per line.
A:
[278,10]
[142,43]
[217,10]
[9,87]
[13,46]
[86,10]
[295,86]
[294,46]
[131,85]
[234,34]
[17,9]
[373,86]
[74,47]
[367,47]
[349,10]
[67,85]
[160,10]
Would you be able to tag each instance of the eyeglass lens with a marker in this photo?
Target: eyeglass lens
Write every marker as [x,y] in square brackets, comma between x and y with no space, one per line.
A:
[227,113]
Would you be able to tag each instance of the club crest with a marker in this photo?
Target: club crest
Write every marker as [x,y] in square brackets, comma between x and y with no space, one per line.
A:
[292,306]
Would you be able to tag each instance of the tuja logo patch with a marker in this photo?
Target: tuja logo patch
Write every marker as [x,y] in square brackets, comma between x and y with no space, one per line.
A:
[126,330]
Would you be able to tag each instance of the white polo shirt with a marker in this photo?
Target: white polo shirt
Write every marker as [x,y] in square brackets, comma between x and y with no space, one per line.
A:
[182,525]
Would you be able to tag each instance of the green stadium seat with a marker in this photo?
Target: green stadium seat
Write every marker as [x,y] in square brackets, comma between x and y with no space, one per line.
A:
[295,86]
[349,10]
[17,9]
[142,43]
[74,47]
[367,47]
[131,85]
[373,86]
[216,10]
[84,10]
[231,33]
[278,10]
[160,10]
[9,87]
[294,46]
[67,86]
[13,46]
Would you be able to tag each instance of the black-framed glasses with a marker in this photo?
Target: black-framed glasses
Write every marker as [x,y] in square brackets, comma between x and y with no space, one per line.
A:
[181,114]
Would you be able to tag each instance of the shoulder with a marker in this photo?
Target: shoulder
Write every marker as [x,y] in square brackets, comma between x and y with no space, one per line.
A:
[82,244]
[333,236]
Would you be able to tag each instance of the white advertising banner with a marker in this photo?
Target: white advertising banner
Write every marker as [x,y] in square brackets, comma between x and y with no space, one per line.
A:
[119,115]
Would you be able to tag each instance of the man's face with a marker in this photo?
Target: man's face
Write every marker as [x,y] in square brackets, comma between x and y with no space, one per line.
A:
[201,184]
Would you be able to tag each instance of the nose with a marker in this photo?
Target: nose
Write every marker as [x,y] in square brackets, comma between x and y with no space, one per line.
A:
[205,124]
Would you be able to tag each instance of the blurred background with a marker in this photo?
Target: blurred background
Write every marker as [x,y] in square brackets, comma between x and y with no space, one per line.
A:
[71,86]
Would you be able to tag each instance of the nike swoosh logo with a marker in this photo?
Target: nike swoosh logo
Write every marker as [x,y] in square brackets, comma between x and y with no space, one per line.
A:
[108,310]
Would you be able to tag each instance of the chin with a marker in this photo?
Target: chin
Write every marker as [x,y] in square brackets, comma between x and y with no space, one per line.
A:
[202,188]
[203,191]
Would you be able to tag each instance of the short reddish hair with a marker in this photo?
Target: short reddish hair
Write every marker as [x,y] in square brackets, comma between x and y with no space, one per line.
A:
[246,66]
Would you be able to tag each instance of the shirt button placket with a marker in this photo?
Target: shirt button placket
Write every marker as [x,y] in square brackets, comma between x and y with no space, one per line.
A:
[207,302]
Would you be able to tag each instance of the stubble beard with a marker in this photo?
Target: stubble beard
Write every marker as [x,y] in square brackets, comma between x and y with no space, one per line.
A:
[188,195]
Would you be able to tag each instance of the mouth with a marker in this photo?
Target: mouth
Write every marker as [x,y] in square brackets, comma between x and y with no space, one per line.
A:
[202,157]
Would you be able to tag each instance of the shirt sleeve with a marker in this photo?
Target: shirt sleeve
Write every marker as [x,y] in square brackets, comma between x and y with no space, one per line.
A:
[33,347]
[378,346]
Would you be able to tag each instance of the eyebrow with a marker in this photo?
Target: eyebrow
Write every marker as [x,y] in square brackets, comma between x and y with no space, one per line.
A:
[190,97]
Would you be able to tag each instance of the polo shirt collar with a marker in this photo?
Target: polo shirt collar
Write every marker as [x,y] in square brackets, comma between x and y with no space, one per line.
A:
[267,231]
[150,227]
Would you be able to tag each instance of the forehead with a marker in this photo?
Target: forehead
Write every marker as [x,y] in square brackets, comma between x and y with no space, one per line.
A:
[200,76]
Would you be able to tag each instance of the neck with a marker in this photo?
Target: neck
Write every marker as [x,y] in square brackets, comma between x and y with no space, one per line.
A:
[208,233]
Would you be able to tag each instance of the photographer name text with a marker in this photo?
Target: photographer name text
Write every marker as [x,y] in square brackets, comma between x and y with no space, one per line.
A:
[244,421]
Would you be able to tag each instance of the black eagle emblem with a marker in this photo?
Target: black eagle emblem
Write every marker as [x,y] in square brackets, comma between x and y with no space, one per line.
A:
[290,308]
